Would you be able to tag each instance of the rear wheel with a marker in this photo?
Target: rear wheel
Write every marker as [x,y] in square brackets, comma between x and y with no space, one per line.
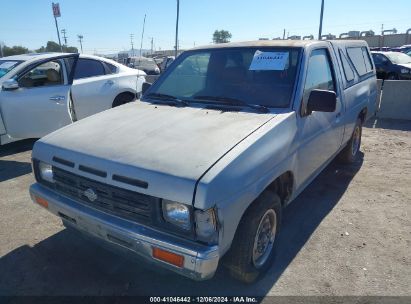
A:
[253,248]
[350,153]
[123,98]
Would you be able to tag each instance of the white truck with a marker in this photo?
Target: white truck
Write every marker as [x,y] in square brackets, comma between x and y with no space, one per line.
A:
[198,172]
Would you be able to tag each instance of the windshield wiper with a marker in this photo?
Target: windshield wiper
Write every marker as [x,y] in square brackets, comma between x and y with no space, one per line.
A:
[167,99]
[234,102]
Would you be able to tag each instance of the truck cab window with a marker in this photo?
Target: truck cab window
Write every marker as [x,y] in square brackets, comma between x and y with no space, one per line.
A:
[319,73]
[348,72]
[361,60]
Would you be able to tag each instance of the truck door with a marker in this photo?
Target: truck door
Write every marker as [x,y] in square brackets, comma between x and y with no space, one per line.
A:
[40,104]
[320,133]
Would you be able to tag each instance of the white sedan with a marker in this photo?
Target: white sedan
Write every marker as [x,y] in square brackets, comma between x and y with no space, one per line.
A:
[40,93]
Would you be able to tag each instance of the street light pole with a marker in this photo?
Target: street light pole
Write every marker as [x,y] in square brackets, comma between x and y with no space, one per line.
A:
[142,37]
[321,20]
[178,15]
[80,39]
[63,31]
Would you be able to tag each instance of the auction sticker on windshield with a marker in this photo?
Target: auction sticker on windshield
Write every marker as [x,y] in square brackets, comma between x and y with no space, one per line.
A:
[265,61]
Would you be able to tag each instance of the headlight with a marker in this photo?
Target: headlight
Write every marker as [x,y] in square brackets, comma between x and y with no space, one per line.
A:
[46,172]
[177,214]
[405,71]
[206,225]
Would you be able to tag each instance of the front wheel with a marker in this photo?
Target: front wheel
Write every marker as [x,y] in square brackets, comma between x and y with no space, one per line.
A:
[253,248]
[350,153]
[123,98]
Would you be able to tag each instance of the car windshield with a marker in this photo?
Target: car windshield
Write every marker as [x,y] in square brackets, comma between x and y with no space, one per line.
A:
[7,65]
[399,58]
[259,76]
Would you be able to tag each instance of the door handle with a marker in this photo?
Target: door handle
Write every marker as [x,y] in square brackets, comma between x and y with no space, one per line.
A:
[110,82]
[57,98]
[338,115]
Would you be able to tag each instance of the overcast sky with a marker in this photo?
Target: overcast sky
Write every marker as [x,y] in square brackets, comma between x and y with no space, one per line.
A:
[107,24]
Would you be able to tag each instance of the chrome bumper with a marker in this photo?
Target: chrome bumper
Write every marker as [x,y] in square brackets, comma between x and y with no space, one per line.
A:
[200,261]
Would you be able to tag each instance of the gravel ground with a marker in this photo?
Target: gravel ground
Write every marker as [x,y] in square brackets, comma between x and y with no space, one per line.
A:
[348,233]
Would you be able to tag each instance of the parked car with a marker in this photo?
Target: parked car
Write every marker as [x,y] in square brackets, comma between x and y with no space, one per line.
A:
[158,60]
[381,49]
[41,93]
[405,48]
[148,65]
[197,173]
[167,61]
[392,65]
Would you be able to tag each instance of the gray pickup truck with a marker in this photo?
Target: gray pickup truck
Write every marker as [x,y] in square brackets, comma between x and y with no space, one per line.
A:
[197,172]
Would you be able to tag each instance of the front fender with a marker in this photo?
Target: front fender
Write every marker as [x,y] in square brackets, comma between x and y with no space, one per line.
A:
[246,171]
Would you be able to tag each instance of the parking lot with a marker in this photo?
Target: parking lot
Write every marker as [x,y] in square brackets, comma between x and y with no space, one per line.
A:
[348,233]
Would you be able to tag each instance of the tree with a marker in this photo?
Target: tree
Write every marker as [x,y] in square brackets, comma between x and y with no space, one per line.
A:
[221,36]
[15,50]
[50,47]
[55,47]
[70,49]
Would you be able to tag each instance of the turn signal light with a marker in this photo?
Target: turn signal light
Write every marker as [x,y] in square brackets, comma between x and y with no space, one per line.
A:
[169,257]
[42,202]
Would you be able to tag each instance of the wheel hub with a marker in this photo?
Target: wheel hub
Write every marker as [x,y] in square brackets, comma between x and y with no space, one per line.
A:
[264,239]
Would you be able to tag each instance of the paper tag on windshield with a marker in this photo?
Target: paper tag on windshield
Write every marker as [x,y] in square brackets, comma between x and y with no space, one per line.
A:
[7,64]
[266,61]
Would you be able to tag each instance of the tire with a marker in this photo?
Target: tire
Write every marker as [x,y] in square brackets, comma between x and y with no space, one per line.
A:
[392,76]
[350,153]
[243,260]
[123,98]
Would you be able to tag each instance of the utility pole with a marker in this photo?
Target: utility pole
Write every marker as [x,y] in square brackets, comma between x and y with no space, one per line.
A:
[132,44]
[80,39]
[284,35]
[1,49]
[178,15]
[321,20]
[142,34]
[63,31]
[152,41]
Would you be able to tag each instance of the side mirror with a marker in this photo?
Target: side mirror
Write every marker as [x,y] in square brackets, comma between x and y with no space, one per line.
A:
[145,87]
[322,101]
[10,84]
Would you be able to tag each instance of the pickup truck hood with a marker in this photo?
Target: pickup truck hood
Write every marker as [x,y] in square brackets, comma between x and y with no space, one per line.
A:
[170,148]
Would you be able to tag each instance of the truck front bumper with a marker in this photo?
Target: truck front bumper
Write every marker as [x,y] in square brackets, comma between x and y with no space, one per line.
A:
[199,261]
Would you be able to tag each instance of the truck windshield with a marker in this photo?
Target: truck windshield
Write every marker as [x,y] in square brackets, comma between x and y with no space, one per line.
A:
[7,65]
[258,76]
[399,58]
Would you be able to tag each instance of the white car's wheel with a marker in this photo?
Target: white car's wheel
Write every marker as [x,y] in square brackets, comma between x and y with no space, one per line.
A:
[123,98]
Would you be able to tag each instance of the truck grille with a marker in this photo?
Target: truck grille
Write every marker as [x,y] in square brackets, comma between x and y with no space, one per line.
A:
[123,203]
